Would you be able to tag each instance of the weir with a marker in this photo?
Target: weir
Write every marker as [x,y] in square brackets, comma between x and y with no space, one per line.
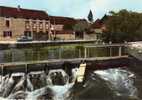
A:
[66,64]
[58,75]
[91,63]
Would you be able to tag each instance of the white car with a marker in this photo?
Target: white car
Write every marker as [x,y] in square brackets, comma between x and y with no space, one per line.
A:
[24,38]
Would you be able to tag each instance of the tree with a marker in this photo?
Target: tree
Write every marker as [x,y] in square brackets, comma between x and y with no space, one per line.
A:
[68,27]
[123,26]
[90,16]
[81,26]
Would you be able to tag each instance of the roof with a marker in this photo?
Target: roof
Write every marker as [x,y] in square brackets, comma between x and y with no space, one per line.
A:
[97,24]
[82,20]
[62,20]
[22,13]
[65,32]
[105,17]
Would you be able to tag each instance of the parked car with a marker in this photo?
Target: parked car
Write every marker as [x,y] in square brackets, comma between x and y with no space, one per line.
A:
[24,38]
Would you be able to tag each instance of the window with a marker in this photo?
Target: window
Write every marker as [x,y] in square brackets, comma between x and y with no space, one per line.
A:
[27,25]
[40,25]
[7,23]
[7,34]
[47,26]
[34,25]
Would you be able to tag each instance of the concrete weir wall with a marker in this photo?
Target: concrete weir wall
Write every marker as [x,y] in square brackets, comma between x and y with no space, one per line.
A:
[136,65]
[67,66]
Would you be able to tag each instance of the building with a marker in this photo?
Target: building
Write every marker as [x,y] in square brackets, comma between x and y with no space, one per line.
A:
[37,24]
[98,27]
[62,27]
[16,22]
[81,28]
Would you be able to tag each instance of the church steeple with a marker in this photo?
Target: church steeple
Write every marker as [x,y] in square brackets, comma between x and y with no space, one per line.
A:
[90,16]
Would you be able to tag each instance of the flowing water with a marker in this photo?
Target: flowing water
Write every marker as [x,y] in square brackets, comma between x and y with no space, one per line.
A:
[110,84]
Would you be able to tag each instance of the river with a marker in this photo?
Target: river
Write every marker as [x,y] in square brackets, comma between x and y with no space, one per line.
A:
[110,84]
[55,52]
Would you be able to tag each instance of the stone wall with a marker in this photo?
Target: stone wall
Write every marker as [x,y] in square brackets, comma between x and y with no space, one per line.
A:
[90,36]
[65,36]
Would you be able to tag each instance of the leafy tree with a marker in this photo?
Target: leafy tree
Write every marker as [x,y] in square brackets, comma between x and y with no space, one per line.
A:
[90,16]
[68,27]
[81,26]
[123,26]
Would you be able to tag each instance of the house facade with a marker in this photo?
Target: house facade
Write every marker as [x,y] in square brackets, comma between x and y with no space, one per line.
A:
[61,27]
[37,24]
[17,22]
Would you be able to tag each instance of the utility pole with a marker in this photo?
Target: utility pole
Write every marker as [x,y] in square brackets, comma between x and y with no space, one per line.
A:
[54,29]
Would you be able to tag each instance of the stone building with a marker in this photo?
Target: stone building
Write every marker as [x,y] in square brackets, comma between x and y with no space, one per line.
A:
[37,24]
[16,22]
[62,27]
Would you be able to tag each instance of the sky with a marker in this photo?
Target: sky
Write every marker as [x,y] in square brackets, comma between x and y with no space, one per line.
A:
[76,8]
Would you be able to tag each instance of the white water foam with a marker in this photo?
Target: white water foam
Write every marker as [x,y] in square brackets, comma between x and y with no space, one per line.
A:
[118,80]
[60,92]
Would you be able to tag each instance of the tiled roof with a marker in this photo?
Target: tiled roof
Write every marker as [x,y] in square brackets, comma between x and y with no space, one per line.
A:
[97,24]
[65,32]
[22,13]
[81,20]
[62,20]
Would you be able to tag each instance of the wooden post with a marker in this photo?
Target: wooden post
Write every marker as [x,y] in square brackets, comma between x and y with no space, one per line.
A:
[12,55]
[38,55]
[110,51]
[81,73]
[26,71]
[60,53]
[2,68]
[26,68]
[49,31]
[79,53]
[2,72]
[85,53]
[120,51]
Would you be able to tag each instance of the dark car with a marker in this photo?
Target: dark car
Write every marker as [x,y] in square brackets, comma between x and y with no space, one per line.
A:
[24,38]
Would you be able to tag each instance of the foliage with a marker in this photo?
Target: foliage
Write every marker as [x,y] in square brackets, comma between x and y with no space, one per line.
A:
[68,27]
[123,26]
[81,26]
[90,16]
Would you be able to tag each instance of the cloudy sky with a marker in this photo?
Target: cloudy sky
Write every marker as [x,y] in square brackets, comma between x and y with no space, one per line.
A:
[76,8]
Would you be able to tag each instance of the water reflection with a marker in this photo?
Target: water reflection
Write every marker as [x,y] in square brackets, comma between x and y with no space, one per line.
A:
[55,52]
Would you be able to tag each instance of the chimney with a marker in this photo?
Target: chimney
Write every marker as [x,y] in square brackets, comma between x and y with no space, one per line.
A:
[18,8]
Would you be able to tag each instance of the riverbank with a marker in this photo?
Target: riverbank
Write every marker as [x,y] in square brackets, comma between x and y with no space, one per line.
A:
[10,44]
[135,67]
[47,42]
